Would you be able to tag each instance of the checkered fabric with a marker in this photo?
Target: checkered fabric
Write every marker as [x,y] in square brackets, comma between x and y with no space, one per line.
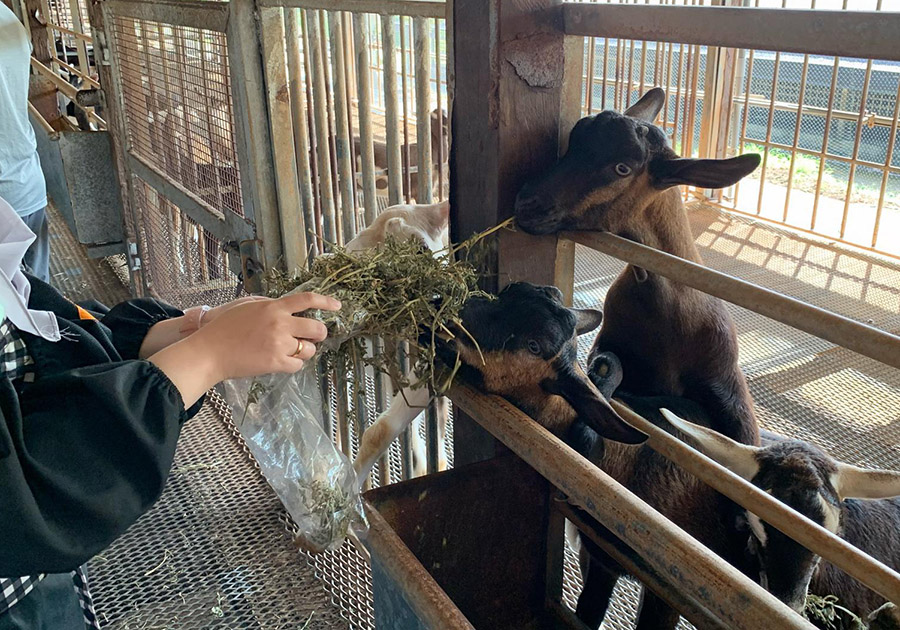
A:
[17,364]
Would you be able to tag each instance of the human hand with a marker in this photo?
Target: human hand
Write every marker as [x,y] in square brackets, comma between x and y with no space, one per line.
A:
[257,336]
[261,335]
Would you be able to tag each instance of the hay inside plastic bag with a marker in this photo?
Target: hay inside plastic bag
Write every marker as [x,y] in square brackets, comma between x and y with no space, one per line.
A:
[398,292]
[279,417]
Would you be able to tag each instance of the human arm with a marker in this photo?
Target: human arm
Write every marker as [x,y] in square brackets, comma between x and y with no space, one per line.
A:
[85,452]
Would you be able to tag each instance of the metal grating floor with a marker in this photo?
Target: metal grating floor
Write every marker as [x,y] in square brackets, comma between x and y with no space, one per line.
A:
[218,542]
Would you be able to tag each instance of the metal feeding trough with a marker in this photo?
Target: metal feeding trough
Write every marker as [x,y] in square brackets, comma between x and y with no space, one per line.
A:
[461,549]
[81,182]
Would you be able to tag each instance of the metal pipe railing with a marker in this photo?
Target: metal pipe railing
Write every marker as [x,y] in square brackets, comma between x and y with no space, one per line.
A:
[411,8]
[859,34]
[712,584]
[862,338]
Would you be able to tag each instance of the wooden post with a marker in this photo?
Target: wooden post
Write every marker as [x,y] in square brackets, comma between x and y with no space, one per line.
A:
[518,96]
[293,228]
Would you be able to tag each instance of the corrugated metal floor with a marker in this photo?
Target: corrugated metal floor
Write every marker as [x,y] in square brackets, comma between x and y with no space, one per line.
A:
[218,541]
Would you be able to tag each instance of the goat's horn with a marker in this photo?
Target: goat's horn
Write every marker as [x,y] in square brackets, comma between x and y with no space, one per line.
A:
[861,483]
[737,457]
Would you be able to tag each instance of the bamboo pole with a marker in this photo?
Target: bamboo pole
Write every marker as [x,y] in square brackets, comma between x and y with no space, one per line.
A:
[320,105]
[294,35]
[363,90]
[422,47]
[343,148]
[391,110]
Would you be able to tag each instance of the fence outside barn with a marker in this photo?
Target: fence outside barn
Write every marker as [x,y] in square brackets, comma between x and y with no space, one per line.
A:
[246,135]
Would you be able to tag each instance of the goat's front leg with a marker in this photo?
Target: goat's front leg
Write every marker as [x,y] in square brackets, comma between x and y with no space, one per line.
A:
[654,613]
[405,406]
[600,573]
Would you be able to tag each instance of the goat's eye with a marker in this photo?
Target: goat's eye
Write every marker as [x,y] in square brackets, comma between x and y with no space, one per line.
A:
[534,347]
[623,170]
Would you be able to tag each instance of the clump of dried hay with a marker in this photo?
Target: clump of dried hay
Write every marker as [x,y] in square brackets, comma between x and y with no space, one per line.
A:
[399,292]
[826,613]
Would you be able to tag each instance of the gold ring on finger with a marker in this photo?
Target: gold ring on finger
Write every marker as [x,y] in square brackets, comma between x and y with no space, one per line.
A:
[299,348]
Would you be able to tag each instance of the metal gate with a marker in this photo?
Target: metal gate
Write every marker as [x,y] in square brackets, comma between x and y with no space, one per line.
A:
[191,179]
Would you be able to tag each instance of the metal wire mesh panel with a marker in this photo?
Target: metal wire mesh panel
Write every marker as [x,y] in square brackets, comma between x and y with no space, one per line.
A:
[179,119]
[183,263]
[213,553]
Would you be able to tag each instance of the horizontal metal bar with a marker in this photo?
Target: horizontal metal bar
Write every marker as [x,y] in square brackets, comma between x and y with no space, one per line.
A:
[62,29]
[859,34]
[862,338]
[421,592]
[760,101]
[69,90]
[51,132]
[822,155]
[412,8]
[76,72]
[210,16]
[839,552]
[718,587]
[184,199]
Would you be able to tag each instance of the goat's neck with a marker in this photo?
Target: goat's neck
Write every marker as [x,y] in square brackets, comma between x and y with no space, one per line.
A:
[663,224]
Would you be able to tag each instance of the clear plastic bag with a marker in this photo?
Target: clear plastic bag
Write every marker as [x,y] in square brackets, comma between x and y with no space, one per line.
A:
[281,417]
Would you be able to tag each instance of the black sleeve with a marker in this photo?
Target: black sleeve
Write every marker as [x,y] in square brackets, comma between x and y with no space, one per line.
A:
[83,454]
[130,321]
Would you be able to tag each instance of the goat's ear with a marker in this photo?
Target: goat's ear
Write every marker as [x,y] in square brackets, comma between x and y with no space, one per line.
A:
[586,319]
[702,173]
[648,106]
[852,482]
[592,408]
[738,458]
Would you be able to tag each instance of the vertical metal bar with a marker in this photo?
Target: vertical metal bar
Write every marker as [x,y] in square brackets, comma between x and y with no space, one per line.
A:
[407,179]
[859,127]
[80,46]
[294,35]
[677,93]
[290,213]
[797,124]
[382,399]
[422,46]
[643,66]
[342,146]
[589,90]
[743,132]
[391,111]
[766,149]
[437,82]
[825,137]
[320,104]
[366,147]
[887,164]
[629,84]
[605,66]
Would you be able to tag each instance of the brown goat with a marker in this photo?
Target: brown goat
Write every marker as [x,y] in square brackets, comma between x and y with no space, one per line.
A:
[619,175]
[678,495]
[852,502]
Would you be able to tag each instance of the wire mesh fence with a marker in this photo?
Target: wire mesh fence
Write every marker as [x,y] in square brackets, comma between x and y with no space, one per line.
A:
[184,264]
[179,119]
[826,127]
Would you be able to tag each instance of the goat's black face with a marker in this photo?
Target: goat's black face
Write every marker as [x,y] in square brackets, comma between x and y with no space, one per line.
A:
[526,350]
[614,165]
[798,474]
